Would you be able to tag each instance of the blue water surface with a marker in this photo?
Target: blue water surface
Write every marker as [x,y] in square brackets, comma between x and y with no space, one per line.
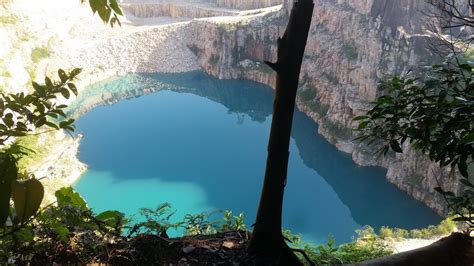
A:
[200,143]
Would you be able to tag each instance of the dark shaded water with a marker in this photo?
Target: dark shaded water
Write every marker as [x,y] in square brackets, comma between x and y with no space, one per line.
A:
[200,144]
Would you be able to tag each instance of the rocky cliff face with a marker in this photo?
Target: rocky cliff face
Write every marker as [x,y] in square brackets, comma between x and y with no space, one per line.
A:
[352,44]
[174,10]
[194,8]
[247,4]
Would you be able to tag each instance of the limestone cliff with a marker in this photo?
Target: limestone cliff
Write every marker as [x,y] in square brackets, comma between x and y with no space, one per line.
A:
[352,45]
[247,4]
[194,8]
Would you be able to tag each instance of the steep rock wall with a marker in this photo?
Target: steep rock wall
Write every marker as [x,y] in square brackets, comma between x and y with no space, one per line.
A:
[247,4]
[149,10]
[352,44]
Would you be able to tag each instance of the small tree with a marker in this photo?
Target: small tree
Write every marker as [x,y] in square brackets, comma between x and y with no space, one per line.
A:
[30,114]
[433,109]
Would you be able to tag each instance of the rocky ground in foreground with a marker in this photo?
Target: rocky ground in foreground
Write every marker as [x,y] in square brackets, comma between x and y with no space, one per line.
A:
[227,248]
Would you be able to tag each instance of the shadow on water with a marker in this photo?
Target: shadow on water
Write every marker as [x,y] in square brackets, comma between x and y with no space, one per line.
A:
[178,137]
[364,190]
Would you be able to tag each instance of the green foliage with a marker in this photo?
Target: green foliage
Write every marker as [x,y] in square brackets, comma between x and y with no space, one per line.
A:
[350,52]
[307,95]
[233,222]
[21,114]
[27,196]
[69,224]
[8,20]
[365,247]
[336,129]
[446,227]
[214,59]
[156,221]
[386,232]
[200,224]
[68,197]
[331,77]
[432,111]
[39,53]
[108,10]
[309,98]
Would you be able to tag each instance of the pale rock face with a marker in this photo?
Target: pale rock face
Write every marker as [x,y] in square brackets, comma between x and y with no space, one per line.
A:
[351,46]
[193,8]
[5,40]
[246,4]
[15,66]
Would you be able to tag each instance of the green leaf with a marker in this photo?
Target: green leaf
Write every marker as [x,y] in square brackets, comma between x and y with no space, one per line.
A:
[73,88]
[461,219]
[462,166]
[395,146]
[67,197]
[468,139]
[48,82]
[38,88]
[115,7]
[61,230]
[104,13]
[27,197]
[94,4]
[41,122]
[62,75]
[8,120]
[363,125]
[51,125]
[111,218]
[466,182]
[74,73]
[360,117]
[65,93]
[8,173]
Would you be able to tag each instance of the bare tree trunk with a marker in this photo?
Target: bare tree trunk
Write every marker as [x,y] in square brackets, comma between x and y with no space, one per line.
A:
[457,249]
[267,240]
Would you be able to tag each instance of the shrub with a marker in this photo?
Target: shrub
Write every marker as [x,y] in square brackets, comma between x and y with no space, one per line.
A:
[214,60]
[336,129]
[367,246]
[39,53]
[331,78]
[309,98]
[386,232]
[349,51]
[399,233]
[8,20]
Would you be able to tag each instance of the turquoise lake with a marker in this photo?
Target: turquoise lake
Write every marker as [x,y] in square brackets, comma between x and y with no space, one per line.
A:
[200,143]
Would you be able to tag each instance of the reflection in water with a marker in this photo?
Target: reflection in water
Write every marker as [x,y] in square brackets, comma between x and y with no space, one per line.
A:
[212,134]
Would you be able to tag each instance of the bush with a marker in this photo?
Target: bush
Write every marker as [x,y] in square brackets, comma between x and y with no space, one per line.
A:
[367,246]
[399,233]
[446,227]
[336,129]
[386,232]
[8,20]
[214,60]
[350,52]
[309,98]
[416,233]
[39,53]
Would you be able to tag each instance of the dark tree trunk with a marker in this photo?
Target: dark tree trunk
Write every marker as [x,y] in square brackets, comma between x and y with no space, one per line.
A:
[457,249]
[267,240]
